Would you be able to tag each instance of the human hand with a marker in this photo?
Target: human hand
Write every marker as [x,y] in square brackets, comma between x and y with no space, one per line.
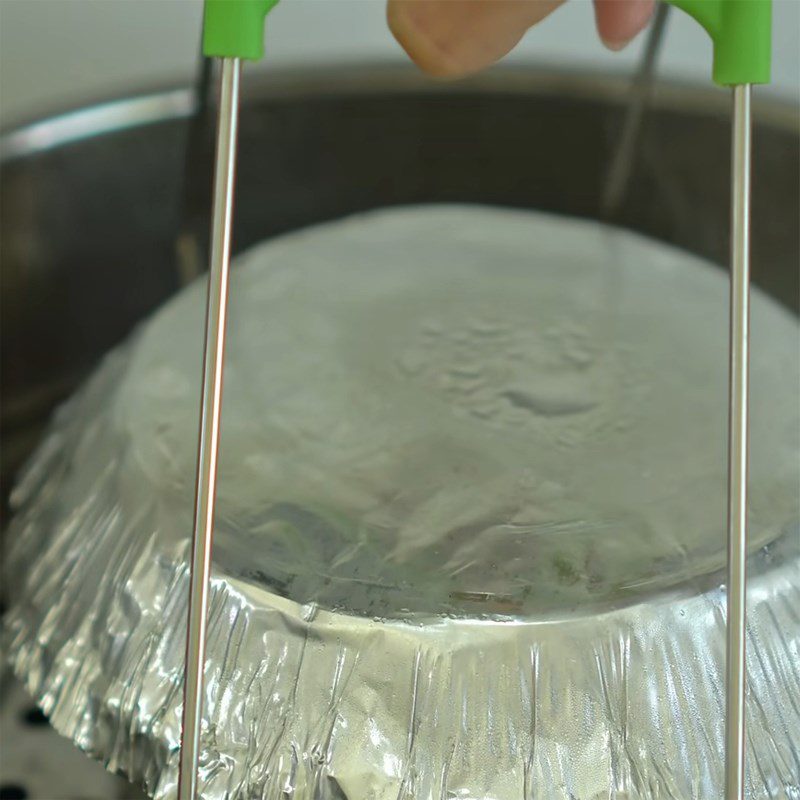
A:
[452,38]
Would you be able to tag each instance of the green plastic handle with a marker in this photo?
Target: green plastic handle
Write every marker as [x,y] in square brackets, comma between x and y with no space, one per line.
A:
[742,34]
[235,28]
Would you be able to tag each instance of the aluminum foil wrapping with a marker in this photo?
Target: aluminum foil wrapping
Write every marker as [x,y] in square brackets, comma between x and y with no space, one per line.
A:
[470,540]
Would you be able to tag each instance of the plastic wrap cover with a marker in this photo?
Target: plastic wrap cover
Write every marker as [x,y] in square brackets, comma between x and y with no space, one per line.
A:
[470,537]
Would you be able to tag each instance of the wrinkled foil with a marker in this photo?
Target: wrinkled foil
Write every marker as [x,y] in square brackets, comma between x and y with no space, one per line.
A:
[470,540]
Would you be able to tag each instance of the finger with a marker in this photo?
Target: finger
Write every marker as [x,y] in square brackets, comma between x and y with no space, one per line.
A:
[451,38]
[618,21]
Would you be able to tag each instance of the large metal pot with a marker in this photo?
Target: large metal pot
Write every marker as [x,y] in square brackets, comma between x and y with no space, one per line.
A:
[92,199]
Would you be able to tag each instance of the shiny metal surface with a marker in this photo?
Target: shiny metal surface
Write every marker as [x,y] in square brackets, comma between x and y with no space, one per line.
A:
[75,126]
[210,411]
[738,394]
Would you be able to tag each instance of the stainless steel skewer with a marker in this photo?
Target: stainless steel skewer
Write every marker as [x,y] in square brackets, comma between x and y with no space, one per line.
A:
[211,405]
[738,389]
[738,445]
[624,154]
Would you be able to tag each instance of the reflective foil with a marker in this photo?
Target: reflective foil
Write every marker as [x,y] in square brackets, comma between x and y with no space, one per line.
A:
[470,540]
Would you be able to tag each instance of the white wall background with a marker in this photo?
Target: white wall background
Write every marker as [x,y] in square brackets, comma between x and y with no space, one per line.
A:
[58,53]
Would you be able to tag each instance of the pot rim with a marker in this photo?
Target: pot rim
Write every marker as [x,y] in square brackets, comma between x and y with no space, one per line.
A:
[172,103]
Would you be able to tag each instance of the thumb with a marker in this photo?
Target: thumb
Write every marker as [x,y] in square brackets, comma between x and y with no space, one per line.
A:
[618,21]
[451,38]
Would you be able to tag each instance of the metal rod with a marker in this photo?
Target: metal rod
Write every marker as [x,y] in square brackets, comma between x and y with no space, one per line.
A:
[211,403]
[738,446]
[619,172]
